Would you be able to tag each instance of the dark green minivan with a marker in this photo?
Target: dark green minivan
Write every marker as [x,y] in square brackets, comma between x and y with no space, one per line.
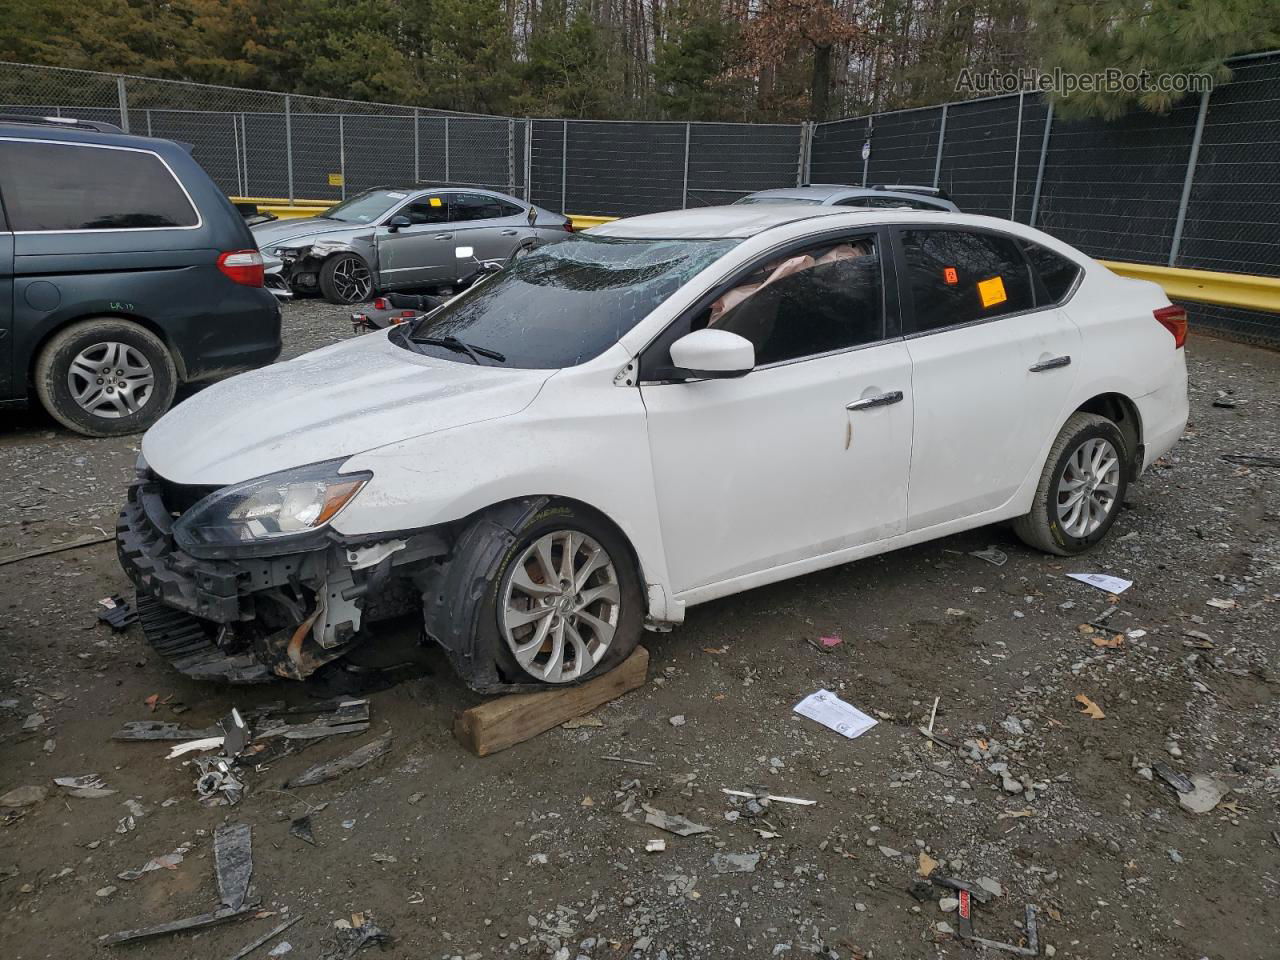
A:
[124,272]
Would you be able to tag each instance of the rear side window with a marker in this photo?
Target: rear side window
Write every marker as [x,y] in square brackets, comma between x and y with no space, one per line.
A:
[956,276]
[476,206]
[1057,273]
[67,186]
[812,302]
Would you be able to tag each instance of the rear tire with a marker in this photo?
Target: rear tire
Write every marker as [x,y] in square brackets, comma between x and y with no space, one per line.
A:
[1081,489]
[345,278]
[105,378]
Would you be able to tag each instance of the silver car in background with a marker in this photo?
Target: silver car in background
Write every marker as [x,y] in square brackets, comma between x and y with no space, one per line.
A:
[880,196]
[394,239]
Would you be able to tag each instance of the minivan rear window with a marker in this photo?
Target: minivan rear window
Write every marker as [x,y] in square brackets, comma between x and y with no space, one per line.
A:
[73,186]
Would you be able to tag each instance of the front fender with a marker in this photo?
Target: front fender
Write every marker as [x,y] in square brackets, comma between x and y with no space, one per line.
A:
[597,454]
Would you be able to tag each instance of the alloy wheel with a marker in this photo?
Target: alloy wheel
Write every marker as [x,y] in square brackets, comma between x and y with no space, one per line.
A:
[560,606]
[1087,488]
[352,280]
[110,380]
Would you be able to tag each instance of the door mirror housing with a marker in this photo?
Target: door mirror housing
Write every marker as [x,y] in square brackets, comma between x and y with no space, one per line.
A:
[713,354]
[399,221]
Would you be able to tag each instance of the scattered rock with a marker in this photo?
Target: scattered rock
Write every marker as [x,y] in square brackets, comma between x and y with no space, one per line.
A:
[948,904]
[1206,795]
[24,796]
[991,886]
[735,862]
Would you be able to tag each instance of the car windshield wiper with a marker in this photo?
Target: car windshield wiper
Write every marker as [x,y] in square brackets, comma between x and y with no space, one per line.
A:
[453,343]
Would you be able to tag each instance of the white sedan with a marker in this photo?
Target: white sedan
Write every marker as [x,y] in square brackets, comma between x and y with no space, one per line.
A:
[659,412]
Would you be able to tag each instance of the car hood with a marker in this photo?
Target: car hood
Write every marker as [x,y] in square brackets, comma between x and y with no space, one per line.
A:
[280,233]
[335,402]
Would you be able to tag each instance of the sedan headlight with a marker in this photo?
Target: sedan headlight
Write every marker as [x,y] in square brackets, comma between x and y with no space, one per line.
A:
[280,507]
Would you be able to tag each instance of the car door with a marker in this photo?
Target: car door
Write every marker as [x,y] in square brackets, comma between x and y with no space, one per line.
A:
[991,369]
[808,453]
[490,226]
[422,253]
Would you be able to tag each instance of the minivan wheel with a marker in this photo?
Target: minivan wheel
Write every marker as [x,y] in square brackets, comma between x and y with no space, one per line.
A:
[1081,489]
[345,278]
[105,377]
[548,590]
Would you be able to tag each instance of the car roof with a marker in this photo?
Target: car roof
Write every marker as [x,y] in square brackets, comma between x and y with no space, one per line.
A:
[708,223]
[52,131]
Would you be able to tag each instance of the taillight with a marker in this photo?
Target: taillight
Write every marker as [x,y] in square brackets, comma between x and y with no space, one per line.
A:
[380,303]
[1173,319]
[568,226]
[242,266]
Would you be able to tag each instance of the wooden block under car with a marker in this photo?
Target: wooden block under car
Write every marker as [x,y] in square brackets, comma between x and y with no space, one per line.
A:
[498,724]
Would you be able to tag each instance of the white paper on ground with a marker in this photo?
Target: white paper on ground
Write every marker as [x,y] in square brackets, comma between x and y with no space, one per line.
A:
[830,711]
[1102,581]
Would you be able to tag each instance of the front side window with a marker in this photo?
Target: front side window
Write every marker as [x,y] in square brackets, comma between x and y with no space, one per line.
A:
[564,303]
[68,186]
[811,302]
[958,276]
[427,210]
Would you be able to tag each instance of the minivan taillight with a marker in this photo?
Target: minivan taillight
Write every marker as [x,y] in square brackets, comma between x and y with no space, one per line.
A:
[242,266]
[568,225]
[1173,319]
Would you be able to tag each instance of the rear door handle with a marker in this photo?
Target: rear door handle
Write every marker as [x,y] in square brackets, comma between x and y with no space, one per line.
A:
[443,236]
[510,233]
[883,400]
[1053,364]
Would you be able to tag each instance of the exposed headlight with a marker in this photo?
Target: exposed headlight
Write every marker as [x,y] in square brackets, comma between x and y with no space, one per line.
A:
[277,507]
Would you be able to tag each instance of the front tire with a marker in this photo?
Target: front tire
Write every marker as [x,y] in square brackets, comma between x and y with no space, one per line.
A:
[1081,489]
[346,278]
[106,377]
[546,590]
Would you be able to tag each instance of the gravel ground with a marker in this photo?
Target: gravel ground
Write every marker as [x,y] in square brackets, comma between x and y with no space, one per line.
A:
[538,852]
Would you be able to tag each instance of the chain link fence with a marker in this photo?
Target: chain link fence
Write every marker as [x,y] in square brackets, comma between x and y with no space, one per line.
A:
[1198,187]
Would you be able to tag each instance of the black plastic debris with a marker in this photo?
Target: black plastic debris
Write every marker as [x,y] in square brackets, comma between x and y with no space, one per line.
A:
[233,866]
[233,861]
[301,828]
[354,937]
[335,768]
[117,612]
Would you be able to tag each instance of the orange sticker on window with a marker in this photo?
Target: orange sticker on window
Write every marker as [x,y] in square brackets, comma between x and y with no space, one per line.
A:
[950,276]
[992,292]
[435,202]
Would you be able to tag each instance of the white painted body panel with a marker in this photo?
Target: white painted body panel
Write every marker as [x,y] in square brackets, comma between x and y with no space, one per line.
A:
[718,485]
[766,469]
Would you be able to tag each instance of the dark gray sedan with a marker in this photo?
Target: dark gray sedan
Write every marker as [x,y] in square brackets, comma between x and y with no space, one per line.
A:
[393,239]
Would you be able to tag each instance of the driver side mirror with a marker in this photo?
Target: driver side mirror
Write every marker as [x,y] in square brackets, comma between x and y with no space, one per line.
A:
[713,354]
[399,221]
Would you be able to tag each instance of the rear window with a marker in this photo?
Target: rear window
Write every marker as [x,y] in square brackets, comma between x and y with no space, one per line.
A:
[1057,273]
[69,186]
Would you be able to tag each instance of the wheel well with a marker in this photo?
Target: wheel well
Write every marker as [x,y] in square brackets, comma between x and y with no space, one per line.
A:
[128,317]
[1121,411]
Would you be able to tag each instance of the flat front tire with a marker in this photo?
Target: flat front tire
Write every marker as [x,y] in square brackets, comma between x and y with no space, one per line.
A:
[105,378]
[1081,489]
[546,590]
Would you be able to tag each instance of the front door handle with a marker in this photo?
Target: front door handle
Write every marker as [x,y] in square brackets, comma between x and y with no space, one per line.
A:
[510,233]
[443,236]
[883,400]
[1053,364]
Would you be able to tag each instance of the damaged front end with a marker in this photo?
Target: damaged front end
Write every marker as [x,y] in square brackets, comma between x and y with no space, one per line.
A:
[282,599]
[300,265]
